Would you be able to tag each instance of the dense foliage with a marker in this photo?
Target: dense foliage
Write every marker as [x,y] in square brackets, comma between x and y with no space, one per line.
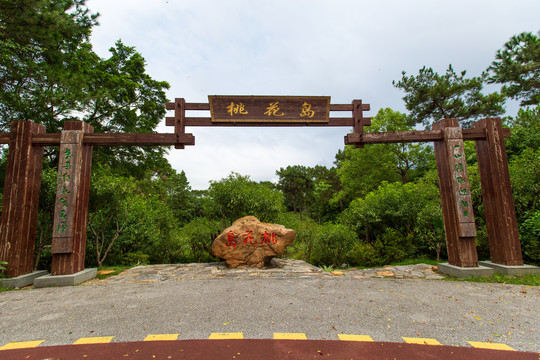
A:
[431,97]
[517,67]
[377,205]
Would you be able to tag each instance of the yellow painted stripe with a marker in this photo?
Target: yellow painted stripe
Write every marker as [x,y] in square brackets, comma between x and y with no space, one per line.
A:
[421,341]
[21,345]
[487,345]
[94,340]
[160,337]
[226,336]
[290,336]
[348,337]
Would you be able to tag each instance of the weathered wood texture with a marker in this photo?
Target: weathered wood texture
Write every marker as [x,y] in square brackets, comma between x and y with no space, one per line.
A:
[67,190]
[136,139]
[179,127]
[141,139]
[72,262]
[501,222]
[21,198]
[453,138]
[413,136]
[207,121]
[206,106]
[461,250]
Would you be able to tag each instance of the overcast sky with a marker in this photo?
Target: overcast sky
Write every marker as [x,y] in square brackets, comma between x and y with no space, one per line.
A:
[346,49]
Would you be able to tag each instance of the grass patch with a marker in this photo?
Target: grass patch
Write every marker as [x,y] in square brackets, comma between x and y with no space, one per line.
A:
[329,268]
[116,270]
[529,280]
[421,260]
[2,289]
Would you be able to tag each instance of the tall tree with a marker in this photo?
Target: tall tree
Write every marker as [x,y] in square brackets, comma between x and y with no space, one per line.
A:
[363,170]
[410,159]
[49,73]
[236,196]
[432,97]
[43,44]
[296,183]
[517,67]
[326,186]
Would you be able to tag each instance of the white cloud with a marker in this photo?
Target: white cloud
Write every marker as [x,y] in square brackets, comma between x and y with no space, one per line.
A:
[346,49]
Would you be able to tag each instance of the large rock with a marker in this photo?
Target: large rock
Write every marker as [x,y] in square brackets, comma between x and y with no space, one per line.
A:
[249,242]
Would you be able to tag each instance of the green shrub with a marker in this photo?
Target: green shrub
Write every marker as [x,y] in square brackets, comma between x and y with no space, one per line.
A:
[530,237]
[332,244]
[2,268]
[135,259]
[237,196]
[365,255]
[198,235]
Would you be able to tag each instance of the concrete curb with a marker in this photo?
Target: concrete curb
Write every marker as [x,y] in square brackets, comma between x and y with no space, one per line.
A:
[464,272]
[516,270]
[65,280]
[22,280]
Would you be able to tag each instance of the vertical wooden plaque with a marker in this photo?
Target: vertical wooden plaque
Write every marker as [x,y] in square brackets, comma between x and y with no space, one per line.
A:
[72,262]
[67,188]
[460,181]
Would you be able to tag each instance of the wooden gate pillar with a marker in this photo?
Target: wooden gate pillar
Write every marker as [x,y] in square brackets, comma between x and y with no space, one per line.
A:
[72,195]
[504,245]
[456,201]
[21,198]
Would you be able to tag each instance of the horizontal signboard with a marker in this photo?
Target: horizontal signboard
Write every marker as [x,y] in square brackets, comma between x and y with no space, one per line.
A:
[301,109]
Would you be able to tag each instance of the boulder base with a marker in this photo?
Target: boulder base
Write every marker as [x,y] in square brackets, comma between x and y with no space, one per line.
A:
[249,242]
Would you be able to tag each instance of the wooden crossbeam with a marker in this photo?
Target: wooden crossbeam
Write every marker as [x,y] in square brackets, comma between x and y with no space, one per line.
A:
[413,136]
[206,106]
[137,139]
[207,121]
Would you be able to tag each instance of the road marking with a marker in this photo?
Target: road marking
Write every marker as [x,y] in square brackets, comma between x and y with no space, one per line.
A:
[421,341]
[277,336]
[226,336]
[290,336]
[487,345]
[94,340]
[347,337]
[21,345]
[161,337]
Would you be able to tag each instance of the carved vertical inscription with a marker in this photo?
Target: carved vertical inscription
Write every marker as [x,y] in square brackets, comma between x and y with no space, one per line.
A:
[67,190]
[460,181]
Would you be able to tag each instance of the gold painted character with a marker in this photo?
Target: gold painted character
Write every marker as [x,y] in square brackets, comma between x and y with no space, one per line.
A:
[272,109]
[306,110]
[236,109]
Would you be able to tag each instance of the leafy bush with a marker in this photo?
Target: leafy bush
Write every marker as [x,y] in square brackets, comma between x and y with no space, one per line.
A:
[530,237]
[134,259]
[2,268]
[332,244]
[237,196]
[198,236]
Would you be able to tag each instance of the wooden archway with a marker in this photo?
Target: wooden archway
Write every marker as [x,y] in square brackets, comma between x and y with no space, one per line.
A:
[26,141]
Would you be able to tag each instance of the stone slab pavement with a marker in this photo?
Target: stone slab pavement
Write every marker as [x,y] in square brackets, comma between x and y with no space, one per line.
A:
[129,307]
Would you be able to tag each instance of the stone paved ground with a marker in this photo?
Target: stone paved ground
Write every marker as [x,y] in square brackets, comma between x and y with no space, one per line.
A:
[278,268]
[194,301]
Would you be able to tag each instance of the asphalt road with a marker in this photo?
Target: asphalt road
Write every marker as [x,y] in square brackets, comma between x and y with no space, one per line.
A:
[385,309]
